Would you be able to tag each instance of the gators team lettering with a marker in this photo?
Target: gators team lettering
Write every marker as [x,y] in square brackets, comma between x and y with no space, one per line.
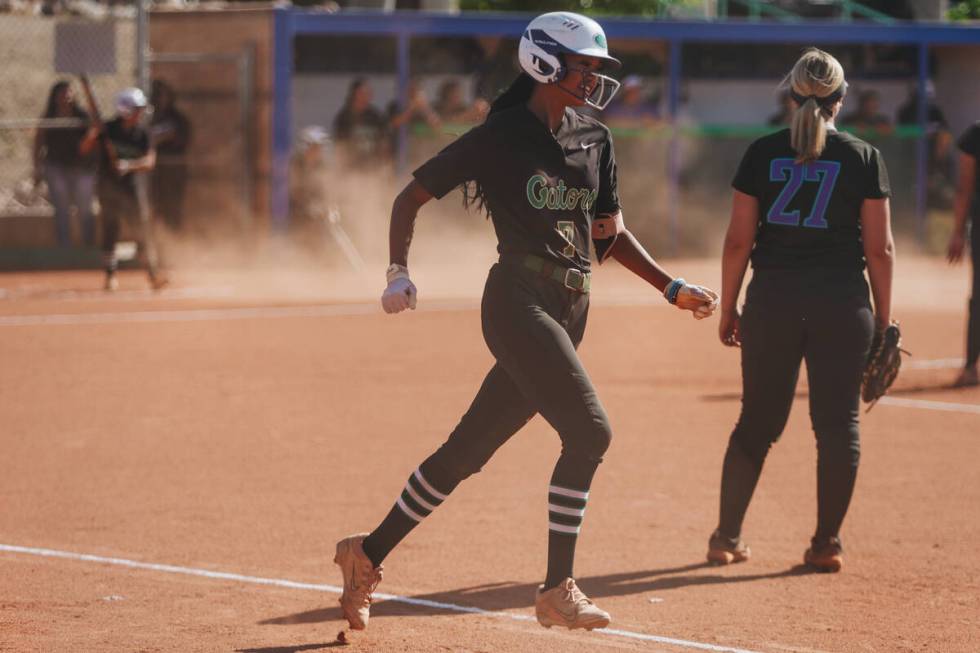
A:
[558,197]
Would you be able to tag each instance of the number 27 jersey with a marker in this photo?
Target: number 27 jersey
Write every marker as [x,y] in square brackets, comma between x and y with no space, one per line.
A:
[810,213]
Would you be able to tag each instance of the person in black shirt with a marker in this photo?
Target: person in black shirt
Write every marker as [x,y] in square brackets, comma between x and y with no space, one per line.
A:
[359,130]
[810,209]
[868,118]
[170,132]
[122,184]
[65,158]
[966,207]
[547,177]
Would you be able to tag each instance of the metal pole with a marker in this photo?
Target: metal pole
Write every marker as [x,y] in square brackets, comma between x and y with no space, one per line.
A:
[142,45]
[403,66]
[246,76]
[922,143]
[673,152]
[282,121]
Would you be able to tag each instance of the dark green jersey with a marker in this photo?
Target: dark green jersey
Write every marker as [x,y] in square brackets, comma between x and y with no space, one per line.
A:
[129,144]
[810,214]
[969,143]
[542,190]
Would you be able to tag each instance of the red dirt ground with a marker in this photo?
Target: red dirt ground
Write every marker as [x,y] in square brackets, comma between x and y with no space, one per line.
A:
[248,443]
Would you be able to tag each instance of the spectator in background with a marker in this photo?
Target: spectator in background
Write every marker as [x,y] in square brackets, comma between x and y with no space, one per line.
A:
[939,137]
[784,115]
[65,158]
[633,108]
[359,130]
[170,132]
[452,107]
[867,118]
[308,176]
[416,113]
[966,209]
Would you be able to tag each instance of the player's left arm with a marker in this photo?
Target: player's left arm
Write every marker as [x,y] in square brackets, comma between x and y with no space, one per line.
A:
[626,249]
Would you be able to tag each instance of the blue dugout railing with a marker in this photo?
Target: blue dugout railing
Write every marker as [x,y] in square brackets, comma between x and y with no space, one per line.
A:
[403,26]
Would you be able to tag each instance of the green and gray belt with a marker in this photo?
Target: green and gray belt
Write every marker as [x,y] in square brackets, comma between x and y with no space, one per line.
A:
[571,278]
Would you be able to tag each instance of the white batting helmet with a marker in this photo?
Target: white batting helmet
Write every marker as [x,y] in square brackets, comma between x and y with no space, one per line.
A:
[549,36]
[130,99]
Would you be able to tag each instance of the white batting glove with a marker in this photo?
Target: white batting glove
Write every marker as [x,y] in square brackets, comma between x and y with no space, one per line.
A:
[706,309]
[401,292]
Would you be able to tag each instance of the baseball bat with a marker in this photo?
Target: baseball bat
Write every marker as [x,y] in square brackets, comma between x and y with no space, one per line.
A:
[96,119]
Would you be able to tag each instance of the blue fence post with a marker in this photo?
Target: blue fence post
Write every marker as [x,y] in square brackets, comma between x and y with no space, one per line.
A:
[674,148]
[922,142]
[282,127]
[403,66]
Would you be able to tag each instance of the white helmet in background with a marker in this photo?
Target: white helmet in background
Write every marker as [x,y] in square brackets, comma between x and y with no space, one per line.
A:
[549,36]
[128,100]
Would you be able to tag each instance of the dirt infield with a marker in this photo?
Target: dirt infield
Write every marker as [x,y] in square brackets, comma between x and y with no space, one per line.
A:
[207,445]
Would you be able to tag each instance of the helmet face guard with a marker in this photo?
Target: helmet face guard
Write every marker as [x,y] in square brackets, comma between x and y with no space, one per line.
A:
[551,36]
[596,90]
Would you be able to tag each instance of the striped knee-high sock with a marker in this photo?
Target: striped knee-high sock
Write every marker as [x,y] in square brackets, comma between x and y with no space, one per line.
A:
[566,510]
[419,498]
[416,502]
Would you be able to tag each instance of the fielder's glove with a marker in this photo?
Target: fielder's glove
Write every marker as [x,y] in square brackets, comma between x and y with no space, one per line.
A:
[400,293]
[697,299]
[884,361]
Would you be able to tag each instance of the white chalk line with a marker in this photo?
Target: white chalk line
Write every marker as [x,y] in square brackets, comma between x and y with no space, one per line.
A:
[254,312]
[97,294]
[217,314]
[934,364]
[333,589]
[945,406]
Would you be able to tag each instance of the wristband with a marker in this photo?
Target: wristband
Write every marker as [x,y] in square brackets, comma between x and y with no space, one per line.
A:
[672,290]
[396,271]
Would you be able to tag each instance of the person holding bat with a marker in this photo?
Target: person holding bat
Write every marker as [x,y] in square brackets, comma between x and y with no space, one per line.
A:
[127,154]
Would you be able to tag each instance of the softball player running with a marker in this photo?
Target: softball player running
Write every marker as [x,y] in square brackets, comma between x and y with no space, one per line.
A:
[810,210]
[968,205]
[547,177]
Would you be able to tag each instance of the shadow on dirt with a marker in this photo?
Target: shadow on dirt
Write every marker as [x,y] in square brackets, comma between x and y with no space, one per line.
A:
[511,595]
[893,392]
[299,648]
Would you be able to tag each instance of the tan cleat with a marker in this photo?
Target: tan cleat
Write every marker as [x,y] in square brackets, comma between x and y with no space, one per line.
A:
[724,550]
[825,555]
[567,606]
[361,577]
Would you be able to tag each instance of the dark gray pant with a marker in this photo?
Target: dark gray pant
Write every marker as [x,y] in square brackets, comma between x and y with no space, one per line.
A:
[532,326]
[825,318]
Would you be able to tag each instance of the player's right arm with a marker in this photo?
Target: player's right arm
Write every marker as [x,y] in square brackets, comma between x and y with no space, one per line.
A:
[457,163]
[401,292]
[961,206]
[879,252]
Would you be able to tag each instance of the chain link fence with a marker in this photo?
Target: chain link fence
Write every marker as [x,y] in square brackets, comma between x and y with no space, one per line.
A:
[41,44]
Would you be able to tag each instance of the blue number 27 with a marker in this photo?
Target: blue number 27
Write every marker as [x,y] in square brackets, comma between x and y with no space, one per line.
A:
[794,174]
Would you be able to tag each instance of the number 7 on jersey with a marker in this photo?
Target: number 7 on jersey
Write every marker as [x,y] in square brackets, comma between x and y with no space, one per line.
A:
[794,174]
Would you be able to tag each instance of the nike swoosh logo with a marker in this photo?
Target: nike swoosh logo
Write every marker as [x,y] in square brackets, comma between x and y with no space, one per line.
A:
[586,146]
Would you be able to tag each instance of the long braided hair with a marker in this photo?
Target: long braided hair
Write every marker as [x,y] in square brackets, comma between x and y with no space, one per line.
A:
[519,92]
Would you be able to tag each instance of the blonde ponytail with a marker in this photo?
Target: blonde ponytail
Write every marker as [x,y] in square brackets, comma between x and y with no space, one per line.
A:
[816,83]
[808,132]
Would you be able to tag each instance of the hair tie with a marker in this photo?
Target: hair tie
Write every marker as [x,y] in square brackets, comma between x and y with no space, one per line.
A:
[823,102]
